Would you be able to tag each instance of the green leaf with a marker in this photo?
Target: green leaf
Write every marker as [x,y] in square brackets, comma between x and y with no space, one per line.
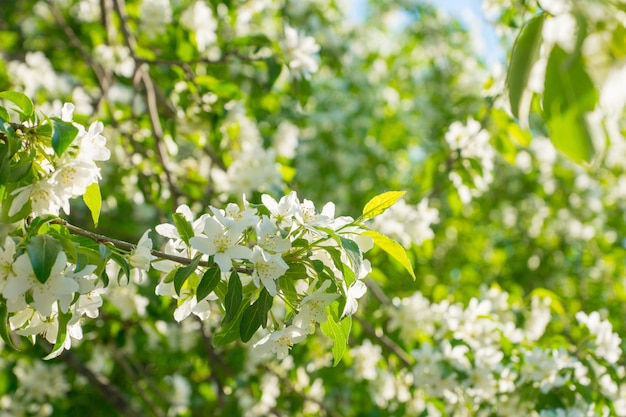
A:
[555,299]
[184,272]
[523,57]
[337,331]
[22,168]
[393,248]
[568,95]
[274,69]
[63,134]
[4,326]
[570,134]
[209,281]
[380,203]
[354,254]
[43,251]
[230,331]
[63,318]
[184,228]
[233,298]
[4,114]
[93,201]
[22,101]
[255,315]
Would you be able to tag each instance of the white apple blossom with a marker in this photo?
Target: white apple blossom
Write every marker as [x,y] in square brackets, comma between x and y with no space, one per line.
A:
[44,295]
[284,210]
[300,52]
[222,244]
[280,341]
[267,269]
[268,237]
[7,253]
[155,15]
[313,306]
[199,19]
[607,342]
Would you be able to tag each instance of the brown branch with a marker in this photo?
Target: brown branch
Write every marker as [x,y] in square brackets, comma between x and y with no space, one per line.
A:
[151,99]
[104,79]
[385,342]
[120,244]
[109,392]
[121,360]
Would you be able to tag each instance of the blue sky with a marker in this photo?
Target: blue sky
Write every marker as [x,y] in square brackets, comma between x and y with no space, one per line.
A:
[470,13]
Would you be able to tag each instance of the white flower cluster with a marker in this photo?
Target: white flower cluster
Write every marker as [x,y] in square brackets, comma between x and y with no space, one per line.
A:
[199,19]
[254,168]
[66,176]
[256,241]
[155,15]
[471,142]
[35,307]
[480,359]
[408,224]
[300,52]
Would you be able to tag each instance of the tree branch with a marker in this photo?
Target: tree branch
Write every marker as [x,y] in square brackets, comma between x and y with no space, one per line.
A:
[385,342]
[120,244]
[108,391]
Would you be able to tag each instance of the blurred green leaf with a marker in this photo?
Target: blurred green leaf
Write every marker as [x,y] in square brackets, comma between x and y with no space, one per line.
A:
[523,57]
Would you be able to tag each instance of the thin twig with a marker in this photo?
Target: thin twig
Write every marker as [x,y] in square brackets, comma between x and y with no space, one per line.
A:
[385,342]
[151,99]
[104,79]
[119,358]
[120,244]
[108,391]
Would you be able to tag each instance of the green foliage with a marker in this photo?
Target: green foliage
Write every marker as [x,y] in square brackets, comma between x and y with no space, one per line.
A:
[523,56]
[42,252]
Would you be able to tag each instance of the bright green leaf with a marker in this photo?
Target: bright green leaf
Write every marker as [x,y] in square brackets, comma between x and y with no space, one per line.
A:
[337,331]
[93,201]
[523,57]
[568,95]
[42,252]
[184,272]
[555,300]
[4,114]
[184,228]
[380,203]
[63,134]
[393,248]
[21,100]
[569,134]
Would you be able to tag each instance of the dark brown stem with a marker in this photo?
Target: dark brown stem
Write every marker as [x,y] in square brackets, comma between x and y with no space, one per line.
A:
[121,360]
[120,244]
[108,391]
[385,342]
[151,99]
